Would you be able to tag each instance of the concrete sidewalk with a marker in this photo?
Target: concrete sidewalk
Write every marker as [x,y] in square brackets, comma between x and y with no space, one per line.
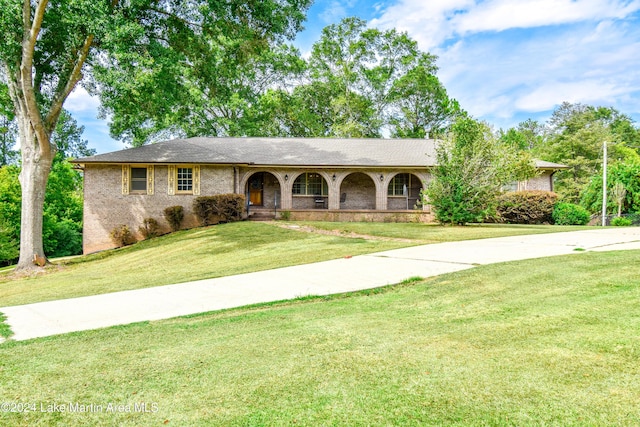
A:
[329,277]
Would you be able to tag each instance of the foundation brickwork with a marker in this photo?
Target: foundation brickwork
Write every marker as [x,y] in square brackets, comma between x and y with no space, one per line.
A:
[361,216]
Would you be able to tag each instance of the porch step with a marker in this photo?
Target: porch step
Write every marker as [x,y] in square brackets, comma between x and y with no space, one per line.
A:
[262,216]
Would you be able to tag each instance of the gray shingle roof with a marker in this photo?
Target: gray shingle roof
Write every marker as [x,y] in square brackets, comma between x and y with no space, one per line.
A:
[549,165]
[278,151]
[282,152]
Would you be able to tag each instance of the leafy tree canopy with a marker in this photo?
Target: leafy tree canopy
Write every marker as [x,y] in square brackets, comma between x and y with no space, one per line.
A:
[190,62]
[362,80]
[67,138]
[357,82]
[625,176]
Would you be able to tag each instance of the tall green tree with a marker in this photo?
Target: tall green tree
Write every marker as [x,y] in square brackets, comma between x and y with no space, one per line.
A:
[8,131]
[362,82]
[355,63]
[473,166]
[622,174]
[527,136]
[420,106]
[575,137]
[9,214]
[134,54]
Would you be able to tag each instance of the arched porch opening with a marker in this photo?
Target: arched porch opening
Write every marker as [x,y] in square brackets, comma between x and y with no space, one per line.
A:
[358,191]
[310,191]
[403,192]
[263,190]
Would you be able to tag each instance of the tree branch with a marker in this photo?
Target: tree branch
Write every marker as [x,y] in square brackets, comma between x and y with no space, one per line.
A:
[29,38]
[15,89]
[74,77]
[176,17]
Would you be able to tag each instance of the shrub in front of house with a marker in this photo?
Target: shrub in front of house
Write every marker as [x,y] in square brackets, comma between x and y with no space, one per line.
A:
[570,214]
[174,216]
[526,207]
[219,208]
[621,221]
[149,228]
[285,215]
[122,236]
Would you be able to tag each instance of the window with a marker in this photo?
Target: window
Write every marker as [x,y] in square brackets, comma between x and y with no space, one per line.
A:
[398,184]
[310,184]
[139,180]
[184,180]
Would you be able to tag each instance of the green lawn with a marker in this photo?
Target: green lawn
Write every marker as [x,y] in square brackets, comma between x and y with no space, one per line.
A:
[539,342]
[433,233]
[225,250]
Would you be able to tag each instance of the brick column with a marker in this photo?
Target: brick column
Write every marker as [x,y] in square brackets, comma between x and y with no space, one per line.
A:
[381,189]
[286,186]
[334,190]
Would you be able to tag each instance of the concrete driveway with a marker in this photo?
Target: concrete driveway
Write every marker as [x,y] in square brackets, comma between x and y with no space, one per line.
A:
[329,277]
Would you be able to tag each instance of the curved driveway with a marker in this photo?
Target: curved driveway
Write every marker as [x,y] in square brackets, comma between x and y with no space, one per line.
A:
[329,277]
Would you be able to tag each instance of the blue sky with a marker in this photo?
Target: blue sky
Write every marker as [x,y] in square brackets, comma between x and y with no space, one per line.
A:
[504,60]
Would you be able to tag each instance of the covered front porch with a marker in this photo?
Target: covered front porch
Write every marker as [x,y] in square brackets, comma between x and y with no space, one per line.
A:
[348,194]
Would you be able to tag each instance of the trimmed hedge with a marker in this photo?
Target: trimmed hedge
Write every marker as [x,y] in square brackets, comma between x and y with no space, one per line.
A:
[570,214]
[219,208]
[526,207]
[174,216]
[621,221]
[149,228]
[122,236]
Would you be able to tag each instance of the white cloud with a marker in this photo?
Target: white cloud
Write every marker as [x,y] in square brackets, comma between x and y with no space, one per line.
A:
[432,22]
[506,58]
[79,101]
[552,93]
[499,15]
[426,21]
[335,11]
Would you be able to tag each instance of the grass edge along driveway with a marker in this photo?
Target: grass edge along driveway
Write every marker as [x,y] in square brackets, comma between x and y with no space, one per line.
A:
[230,249]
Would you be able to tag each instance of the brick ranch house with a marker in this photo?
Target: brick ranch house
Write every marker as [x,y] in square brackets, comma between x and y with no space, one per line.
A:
[323,179]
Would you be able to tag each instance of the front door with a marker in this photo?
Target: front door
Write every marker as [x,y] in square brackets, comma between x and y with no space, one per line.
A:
[256,189]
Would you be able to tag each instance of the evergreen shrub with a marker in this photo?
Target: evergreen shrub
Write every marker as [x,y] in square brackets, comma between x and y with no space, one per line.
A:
[122,236]
[570,214]
[621,221]
[219,208]
[174,216]
[526,207]
[149,228]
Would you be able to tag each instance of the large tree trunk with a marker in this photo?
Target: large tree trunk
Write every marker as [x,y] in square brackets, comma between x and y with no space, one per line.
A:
[33,180]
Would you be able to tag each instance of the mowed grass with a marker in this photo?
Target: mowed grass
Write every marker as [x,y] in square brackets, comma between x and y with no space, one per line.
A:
[184,256]
[433,233]
[224,250]
[539,342]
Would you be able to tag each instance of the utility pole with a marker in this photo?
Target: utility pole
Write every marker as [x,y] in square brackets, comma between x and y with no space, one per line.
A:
[604,183]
